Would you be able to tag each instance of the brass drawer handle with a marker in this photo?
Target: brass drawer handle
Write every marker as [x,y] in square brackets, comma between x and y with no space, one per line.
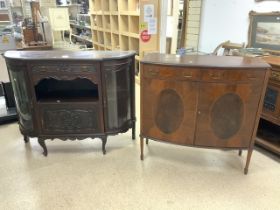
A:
[152,73]
[251,76]
[216,76]
[188,75]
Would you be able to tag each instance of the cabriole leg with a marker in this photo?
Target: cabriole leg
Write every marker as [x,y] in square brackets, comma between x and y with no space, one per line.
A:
[240,152]
[133,130]
[41,141]
[147,141]
[104,141]
[26,139]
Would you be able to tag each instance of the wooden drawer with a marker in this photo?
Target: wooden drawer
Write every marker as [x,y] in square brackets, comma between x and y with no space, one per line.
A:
[167,72]
[42,68]
[233,75]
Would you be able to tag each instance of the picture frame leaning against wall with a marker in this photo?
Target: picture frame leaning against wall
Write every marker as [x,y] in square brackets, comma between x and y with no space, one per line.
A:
[264,31]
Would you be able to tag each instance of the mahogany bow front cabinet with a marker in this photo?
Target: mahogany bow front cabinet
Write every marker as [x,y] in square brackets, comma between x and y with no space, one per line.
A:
[73,95]
[203,101]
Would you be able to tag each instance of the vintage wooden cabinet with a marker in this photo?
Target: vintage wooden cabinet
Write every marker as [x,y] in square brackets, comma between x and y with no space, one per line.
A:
[204,101]
[271,106]
[73,95]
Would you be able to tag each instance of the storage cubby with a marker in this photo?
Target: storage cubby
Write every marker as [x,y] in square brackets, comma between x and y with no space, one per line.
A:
[99,21]
[121,19]
[52,90]
[115,23]
[134,24]
[105,5]
[95,46]
[134,44]
[123,5]
[96,4]
[124,43]
[106,22]
[94,36]
[133,5]
[108,42]
[115,42]
[93,21]
[100,37]
[123,23]
[113,5]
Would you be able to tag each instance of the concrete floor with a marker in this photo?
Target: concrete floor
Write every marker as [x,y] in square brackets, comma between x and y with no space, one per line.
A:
[76,175]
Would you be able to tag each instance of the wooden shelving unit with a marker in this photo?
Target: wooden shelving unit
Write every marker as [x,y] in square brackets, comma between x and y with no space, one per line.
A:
[116,26]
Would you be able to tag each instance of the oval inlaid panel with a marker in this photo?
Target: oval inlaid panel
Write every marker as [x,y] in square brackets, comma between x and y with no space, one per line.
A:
[227,115]
[170,111]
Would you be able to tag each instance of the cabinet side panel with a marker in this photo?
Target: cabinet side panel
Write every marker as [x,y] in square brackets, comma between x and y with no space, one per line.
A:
[18,76]
[118,94]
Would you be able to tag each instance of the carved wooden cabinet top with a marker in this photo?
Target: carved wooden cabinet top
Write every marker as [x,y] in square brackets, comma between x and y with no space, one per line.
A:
[205,61]
[67,55]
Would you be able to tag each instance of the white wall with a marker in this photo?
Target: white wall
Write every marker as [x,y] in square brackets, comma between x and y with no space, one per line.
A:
[223,20]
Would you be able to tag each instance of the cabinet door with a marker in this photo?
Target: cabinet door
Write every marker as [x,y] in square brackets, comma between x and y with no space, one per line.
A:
[226,114]
[168,110]
[118,93]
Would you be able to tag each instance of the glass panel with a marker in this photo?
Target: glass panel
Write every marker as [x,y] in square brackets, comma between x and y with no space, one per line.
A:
[118,96]
[22,99]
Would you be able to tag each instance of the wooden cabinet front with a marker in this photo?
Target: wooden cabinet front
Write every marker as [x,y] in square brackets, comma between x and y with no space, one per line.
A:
[170,109]
[204,101]
[226,114]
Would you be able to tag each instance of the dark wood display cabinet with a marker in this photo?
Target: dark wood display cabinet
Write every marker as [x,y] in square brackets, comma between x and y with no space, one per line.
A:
[73,95]
[203,101]
[268,133]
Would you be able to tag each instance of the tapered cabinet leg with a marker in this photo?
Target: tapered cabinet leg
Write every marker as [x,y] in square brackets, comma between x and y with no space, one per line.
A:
[26,139]
[141,148]
[240,152]
[250,151]
[147,141]
[43,145]
[133,130]
[104,141]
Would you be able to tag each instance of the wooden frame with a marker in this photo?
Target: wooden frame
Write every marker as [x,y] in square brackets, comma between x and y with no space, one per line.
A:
[262,31]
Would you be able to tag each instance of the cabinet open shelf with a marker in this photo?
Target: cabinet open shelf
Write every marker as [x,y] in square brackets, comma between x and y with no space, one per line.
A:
[53,90]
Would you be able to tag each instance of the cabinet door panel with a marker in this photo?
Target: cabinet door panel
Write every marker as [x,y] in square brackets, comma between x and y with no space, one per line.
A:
[226,114]
[168,110]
